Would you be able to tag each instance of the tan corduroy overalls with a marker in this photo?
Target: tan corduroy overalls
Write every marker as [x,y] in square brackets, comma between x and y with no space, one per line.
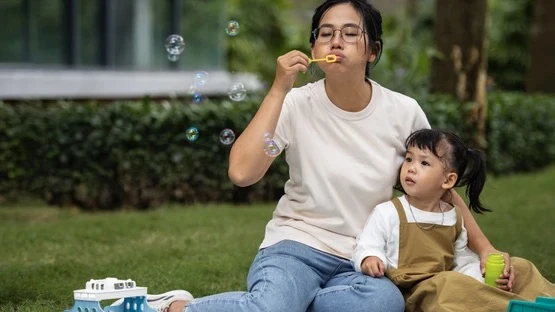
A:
[424,273]
[422,252]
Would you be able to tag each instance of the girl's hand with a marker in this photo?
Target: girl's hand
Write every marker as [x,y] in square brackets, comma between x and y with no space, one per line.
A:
[288,66]
[507,280]
[373,266]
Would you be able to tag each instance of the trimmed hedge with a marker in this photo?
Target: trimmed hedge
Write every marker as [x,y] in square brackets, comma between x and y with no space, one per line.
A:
[136,154]
[520,128]
[521,132]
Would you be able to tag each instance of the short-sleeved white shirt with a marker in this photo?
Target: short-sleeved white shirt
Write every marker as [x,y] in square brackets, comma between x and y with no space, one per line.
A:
[341,164]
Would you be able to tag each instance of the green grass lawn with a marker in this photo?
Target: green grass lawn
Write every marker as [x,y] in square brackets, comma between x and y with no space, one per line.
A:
[46,253]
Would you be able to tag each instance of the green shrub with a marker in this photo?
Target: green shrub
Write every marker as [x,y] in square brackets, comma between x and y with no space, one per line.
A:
[136,153]
[126,153]
[509,27]
[444,113]
[21,135]
[519,128]
[520,132]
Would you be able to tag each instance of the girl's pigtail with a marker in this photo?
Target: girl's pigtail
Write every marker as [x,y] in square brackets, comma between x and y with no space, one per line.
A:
[475,179]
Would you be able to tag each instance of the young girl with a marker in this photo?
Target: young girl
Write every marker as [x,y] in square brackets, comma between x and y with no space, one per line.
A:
[415,237]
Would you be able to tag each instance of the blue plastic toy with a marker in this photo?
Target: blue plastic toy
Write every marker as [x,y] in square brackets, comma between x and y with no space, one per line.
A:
[88,299]
[542,304]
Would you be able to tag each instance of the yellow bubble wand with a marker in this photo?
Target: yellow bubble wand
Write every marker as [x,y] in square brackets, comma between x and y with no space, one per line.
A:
[332,58]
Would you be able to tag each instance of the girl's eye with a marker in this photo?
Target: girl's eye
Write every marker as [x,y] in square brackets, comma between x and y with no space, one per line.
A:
[408,159]
[425,163]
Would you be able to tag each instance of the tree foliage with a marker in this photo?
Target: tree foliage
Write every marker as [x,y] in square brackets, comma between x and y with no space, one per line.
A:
[262,38]
[509,23]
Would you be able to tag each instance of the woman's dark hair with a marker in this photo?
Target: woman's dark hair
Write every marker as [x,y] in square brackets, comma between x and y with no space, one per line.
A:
[468,164]
[372,25]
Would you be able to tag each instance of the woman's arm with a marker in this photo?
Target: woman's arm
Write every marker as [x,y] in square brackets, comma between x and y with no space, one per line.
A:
[247,161]
[477,240]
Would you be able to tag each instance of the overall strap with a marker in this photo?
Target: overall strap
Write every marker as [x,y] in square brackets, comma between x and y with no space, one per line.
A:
[458,225]
[400,210]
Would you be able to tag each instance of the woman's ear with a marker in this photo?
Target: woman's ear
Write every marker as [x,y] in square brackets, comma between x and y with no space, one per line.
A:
[450,180]
[375,51]
[372,57]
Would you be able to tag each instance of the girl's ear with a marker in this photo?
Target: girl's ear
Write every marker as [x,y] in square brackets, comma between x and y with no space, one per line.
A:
[450,181]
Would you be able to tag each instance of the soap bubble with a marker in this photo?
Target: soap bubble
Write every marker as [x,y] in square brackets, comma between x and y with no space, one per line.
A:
[237,92]
[267,136]
[201,77]
[271,148]
[232,28]
[197,98]
[175,45]
[191,133]
[192,90]
[227,136]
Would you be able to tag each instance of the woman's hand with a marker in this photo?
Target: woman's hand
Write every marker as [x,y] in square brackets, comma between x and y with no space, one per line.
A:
[507,280]
[503,282]
[288,66]
[478,242]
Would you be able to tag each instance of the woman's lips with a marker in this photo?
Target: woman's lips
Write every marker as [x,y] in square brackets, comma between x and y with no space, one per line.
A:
[338,55]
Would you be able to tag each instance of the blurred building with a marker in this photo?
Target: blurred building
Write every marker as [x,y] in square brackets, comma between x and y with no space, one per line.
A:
[109,49]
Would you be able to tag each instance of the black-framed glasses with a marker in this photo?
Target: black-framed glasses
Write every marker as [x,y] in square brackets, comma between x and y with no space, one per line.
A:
[349,33]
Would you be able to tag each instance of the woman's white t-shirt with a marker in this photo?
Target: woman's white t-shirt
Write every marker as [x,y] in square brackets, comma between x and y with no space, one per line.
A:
[341,164]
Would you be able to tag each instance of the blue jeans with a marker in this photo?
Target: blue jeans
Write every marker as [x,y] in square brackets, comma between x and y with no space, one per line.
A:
[290,276]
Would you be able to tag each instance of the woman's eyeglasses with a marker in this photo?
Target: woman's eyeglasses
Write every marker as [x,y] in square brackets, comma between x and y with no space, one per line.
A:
[349,34]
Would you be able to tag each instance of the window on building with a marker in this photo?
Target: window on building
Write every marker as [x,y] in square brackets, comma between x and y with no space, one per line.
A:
[111,34]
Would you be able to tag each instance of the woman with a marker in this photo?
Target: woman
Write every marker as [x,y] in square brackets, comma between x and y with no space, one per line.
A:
[343,138]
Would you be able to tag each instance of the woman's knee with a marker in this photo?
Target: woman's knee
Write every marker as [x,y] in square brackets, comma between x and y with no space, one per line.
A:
[237,301]
[381,292]
[359,293]
[280,282]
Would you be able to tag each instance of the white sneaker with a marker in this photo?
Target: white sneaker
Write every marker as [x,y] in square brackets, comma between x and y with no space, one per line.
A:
[162,302]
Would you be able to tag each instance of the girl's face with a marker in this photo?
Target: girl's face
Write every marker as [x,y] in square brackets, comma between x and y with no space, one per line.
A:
[343,28]
[424,175]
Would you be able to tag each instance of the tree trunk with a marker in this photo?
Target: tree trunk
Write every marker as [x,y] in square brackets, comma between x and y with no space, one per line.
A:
[412,7]
[460,36]
[541,72]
